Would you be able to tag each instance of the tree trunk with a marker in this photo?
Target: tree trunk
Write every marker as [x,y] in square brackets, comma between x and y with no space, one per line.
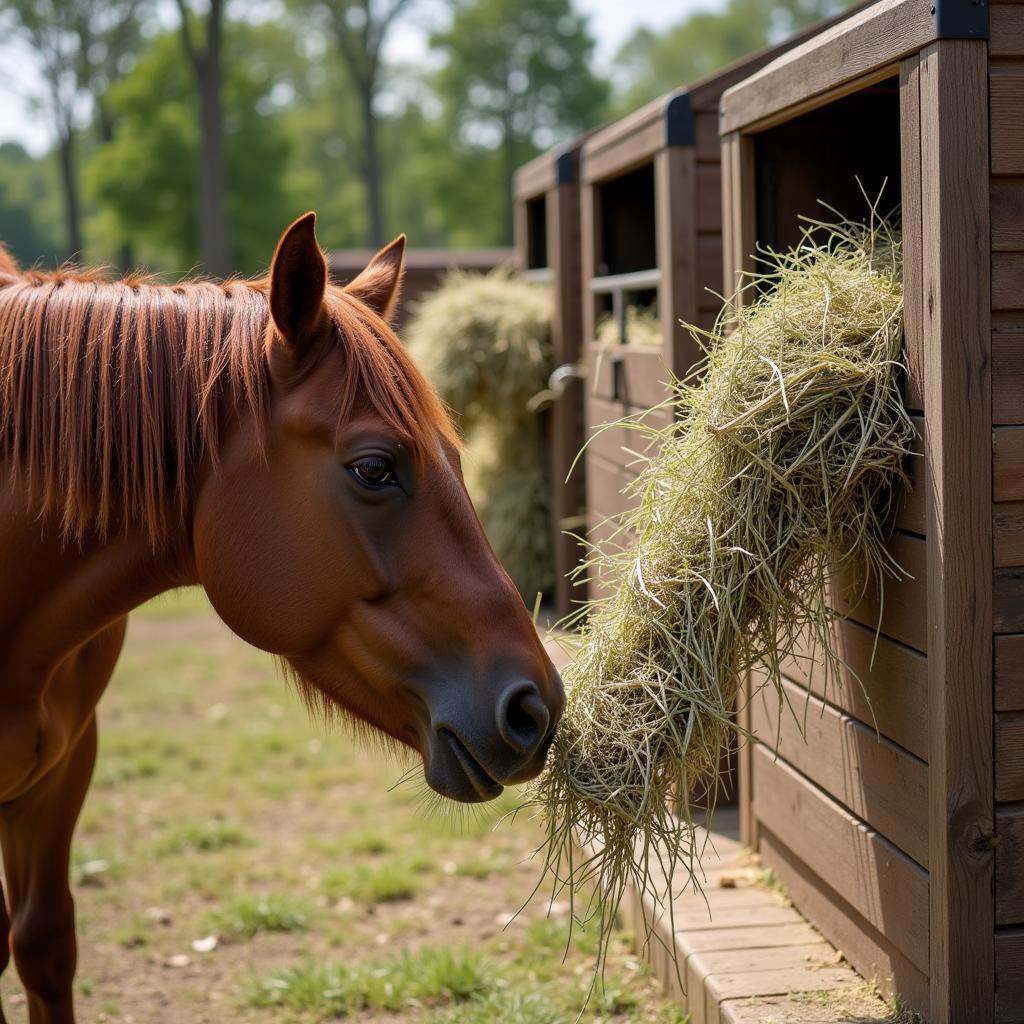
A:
[69,184]
[371,170]
[214,248]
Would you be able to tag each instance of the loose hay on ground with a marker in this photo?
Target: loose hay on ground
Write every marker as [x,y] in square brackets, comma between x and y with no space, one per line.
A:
[774,486]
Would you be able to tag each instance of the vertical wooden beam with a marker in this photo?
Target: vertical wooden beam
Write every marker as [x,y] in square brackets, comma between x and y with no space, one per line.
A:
[738,242]
[569,491]
[955,342]
[910,202]
[521,233]
[675,198]
[590,235]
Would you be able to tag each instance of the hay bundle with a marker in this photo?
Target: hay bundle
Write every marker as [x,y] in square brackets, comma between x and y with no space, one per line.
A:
[776,482]
[485,343]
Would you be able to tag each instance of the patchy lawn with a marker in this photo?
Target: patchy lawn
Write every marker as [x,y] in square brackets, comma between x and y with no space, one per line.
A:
[236,863]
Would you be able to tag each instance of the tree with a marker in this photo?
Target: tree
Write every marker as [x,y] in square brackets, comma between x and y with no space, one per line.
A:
[147,178]
[30,216]
[80,46]
[205,58]
[649,64]
[359,29]
[517,79]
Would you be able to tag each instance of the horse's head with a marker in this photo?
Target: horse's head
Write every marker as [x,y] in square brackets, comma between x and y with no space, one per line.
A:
[339,535]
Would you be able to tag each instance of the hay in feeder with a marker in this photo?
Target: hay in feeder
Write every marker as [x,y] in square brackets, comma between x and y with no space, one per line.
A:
[774,487]
[643,327]
[484,340]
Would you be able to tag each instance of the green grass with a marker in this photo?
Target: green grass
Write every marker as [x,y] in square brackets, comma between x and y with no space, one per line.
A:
[242,917]
[386,883]
[201,837]
[428,976]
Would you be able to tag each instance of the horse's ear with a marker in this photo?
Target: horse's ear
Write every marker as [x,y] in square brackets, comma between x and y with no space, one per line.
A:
[298,279]
[380,283]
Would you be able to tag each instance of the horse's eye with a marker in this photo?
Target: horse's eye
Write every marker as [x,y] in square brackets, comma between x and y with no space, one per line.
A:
[373,471]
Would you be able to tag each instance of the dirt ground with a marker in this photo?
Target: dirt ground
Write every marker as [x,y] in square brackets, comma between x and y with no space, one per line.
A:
[236,863]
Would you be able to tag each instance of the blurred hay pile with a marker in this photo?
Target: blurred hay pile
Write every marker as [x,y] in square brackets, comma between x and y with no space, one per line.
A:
[776,482]
[643,327]
[485,343]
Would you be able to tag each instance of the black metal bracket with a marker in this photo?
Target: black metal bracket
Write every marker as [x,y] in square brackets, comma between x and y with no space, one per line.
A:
[618,365]
[960,19]
[680,124]
[566,165]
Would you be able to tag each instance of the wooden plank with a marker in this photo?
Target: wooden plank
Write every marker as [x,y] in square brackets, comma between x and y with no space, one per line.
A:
[1009,756]
[590,233]
[1006,91]
[708,205]
[958,410]
[750,936]
[1008,533]
[902,611]
[1009,673]
[707,135]
[1008,372]
[709,273]
[1007,206]
[885,886]
[569,496]
[1008,600]
[1008,280]
[1008,464]
[868,950]
[642,376]
[605,485]
[1006,30]
[910,201]
[886,686]
[1009,976]
[856,48]
[675,188]
[1010,865]
[877,781]
[719,977]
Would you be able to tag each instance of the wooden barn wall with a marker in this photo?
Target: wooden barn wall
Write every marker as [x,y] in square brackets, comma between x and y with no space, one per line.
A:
[842,817]
[1006,98]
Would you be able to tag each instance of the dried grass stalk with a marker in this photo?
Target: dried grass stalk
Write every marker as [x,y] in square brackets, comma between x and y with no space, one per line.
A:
[775,484]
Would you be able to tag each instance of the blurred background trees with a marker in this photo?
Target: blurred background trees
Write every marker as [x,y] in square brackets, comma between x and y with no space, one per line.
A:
[185,133]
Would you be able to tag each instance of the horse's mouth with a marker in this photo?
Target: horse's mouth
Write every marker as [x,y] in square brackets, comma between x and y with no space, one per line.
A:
[483,786]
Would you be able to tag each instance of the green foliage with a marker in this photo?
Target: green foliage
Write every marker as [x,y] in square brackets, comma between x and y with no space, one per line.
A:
[29,217]
[144,180]
[650,64]
[517,78]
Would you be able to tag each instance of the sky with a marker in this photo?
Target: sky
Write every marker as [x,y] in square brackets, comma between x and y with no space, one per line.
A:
[611,21]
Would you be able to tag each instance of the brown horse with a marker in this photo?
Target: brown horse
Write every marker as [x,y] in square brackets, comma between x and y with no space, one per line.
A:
[271,441]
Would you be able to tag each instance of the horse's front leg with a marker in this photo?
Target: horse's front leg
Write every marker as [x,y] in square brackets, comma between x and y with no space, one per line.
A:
[36,831]
[5,943]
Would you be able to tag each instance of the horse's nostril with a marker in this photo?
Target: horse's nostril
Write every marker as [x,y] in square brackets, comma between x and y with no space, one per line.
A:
[523,717]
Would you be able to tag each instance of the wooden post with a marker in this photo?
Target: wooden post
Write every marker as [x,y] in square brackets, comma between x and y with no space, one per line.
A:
[737,248]
[954,257]
[675,188]
[569,490]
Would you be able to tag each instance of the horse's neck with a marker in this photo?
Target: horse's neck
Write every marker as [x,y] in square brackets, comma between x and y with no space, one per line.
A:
[55,595]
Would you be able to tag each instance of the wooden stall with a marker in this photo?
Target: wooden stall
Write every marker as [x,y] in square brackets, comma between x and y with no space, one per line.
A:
[651,223]
[547,236]
[897,828]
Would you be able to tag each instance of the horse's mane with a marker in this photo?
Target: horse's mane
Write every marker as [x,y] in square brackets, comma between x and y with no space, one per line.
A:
[113,392]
